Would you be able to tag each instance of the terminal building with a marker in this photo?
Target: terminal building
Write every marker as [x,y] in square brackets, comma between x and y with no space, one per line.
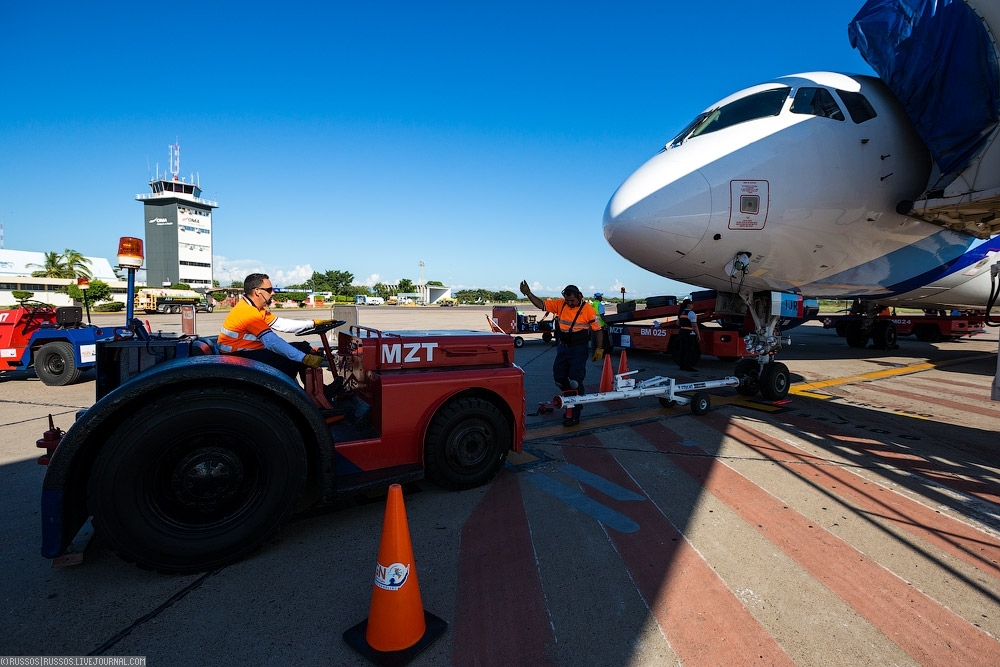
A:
[15,275]
[178,231]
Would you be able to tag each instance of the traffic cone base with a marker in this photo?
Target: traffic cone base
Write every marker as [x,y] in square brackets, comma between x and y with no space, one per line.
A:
[397,627]
[355,638]
[607,377]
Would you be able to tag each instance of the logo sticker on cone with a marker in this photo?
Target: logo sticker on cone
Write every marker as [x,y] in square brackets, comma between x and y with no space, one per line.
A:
[397,627]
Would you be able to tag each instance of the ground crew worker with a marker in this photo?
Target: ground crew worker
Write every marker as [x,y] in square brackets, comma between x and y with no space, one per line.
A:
[598,305]
[688,338]
[575,319]
[248,331]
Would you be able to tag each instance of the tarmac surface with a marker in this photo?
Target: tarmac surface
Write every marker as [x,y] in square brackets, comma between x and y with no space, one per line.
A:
[855,523]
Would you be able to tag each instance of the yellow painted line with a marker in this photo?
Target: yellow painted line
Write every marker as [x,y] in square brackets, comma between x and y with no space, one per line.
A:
[864,377]
[802,388]
[809,394]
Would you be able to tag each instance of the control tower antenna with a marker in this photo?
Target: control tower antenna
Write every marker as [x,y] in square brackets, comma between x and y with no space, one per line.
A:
[175,159]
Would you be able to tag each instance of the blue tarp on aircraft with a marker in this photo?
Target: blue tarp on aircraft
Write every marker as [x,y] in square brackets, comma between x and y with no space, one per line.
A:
[937,58]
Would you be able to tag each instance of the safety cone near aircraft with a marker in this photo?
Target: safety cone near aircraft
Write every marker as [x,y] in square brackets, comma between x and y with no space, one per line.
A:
[623,364]
[397,627]
[607,377]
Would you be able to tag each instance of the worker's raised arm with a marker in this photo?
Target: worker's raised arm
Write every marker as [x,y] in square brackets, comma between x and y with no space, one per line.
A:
[526,291]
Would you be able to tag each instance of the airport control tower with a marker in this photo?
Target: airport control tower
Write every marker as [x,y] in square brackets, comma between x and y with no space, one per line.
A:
[178,224]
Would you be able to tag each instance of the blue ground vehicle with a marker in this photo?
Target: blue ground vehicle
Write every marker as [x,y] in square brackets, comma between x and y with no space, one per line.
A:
[53,341]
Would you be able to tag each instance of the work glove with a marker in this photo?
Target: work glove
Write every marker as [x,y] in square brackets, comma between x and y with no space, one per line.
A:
[322,323]
[598,354]
[312,360]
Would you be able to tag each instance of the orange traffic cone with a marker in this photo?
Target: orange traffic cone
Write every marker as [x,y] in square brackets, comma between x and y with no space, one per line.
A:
[623,364]
[397,627]
[607,377]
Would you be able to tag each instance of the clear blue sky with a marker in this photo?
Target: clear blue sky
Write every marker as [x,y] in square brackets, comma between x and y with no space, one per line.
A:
[483,139]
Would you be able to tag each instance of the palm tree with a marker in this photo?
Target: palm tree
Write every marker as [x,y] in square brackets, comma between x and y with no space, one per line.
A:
[77,264]
[54,267]
[68,264]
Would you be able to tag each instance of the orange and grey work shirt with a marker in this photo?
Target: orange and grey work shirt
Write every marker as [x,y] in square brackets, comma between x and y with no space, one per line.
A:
[246,324]
[575,324]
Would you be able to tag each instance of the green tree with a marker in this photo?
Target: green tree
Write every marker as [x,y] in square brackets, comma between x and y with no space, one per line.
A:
[504,295]
[77,263]
[54,267]
[405,285]
[436,283]
[382,290]
[180,286]
[99,291]
[339,281]
[67,264]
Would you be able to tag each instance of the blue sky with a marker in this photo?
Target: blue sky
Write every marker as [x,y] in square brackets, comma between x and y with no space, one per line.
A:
[482,139]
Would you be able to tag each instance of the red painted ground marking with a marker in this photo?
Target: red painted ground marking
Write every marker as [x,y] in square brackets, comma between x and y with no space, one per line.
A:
[954,537]
[927,631]
[500,613]
[703,621]
[931,399]
[984,489]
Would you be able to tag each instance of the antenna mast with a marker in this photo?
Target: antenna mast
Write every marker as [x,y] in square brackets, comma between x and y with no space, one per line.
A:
[175,159]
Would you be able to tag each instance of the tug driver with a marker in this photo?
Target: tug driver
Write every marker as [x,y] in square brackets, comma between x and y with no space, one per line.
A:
[249,331]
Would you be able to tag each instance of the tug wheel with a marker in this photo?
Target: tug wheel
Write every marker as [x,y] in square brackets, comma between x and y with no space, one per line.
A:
[197,479]
[884,336]
[518,341]
[55,364]
[466,443]
[856,335]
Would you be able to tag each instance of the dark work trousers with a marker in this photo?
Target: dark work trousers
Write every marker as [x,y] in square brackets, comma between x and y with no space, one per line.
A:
[279,361]
[688,352]
[571,364]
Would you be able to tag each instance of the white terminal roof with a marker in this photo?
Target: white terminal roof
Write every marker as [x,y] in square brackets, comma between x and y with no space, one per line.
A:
[15,263]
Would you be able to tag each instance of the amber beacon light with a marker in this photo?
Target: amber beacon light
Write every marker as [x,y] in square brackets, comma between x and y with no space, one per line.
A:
[130,252]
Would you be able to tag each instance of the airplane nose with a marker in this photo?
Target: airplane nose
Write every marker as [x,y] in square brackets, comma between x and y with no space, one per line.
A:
[659,214]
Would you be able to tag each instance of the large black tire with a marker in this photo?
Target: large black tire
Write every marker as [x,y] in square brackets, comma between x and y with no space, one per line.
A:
[775,381]
[466,443]
[856,335]
[884,336]
[197,478]
[747,371]
[55,364]
[518,341]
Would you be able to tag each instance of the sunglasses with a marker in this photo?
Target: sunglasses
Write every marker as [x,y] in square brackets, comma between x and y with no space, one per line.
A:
[269,290]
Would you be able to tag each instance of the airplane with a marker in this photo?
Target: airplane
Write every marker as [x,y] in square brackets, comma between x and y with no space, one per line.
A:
[819,184]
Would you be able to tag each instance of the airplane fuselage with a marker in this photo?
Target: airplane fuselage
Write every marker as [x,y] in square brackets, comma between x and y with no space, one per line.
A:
[803,174]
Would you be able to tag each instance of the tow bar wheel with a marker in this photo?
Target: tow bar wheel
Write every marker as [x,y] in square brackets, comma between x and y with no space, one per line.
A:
[197,479]
[466,443]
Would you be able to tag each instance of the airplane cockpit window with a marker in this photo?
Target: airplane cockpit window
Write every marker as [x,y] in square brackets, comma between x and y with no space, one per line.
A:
[816,102]
[758,105]
[858,106]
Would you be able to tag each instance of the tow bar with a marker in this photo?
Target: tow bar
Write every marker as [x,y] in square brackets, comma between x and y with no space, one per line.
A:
[666,388]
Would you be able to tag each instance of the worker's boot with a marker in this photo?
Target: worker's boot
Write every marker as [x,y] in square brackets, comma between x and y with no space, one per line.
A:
[331,390]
